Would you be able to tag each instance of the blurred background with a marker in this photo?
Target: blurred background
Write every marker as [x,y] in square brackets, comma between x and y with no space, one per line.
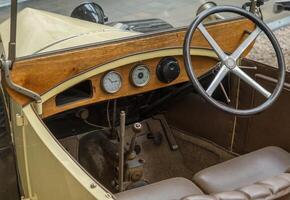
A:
[177,13]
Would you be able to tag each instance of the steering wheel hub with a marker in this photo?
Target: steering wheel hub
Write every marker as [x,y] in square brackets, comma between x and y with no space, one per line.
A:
[230,63]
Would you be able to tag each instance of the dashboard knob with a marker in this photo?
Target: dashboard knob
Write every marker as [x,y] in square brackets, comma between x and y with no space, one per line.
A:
[168,70]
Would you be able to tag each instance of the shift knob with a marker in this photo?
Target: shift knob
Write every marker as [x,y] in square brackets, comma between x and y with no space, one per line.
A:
[137,127]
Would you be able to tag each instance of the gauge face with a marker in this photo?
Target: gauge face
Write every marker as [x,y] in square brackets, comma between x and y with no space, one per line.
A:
[140,75]
[112,82]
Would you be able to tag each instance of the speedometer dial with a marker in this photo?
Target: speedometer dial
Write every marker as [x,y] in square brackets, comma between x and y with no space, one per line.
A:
[112,82]
[140,75]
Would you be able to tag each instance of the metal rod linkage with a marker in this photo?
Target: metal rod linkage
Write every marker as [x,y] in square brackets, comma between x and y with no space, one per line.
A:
[121,150]
[13,32]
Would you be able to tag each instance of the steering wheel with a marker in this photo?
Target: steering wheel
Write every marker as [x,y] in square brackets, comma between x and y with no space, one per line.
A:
[230,63]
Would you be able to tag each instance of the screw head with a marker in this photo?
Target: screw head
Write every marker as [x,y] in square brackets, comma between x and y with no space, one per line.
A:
[93,185]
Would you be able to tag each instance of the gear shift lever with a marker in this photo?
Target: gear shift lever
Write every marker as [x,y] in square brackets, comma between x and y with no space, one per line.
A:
[137,128]
[121,150]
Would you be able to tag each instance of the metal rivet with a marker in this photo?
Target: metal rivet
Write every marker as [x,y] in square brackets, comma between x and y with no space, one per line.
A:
[93,185]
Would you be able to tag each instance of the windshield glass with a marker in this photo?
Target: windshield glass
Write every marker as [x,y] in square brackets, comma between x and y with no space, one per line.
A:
[45,26]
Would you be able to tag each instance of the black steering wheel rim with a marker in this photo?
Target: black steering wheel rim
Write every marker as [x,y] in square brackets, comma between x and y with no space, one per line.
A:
[190,72]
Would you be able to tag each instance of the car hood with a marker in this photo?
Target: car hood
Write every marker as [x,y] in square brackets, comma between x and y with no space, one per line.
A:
[41,31]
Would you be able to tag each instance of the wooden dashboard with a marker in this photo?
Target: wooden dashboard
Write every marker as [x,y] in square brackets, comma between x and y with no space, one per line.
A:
[202,65]
[48,72]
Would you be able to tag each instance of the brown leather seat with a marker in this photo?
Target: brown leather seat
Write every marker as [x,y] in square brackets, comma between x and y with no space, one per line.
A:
[170,189]
[244,170]
[277,188]
[263,174]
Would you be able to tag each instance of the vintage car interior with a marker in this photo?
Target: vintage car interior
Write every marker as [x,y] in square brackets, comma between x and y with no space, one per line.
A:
[179,114]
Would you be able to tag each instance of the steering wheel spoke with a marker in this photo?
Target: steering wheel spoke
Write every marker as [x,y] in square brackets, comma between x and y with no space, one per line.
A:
[212,42]
[217,80]
[241,74]
[229,62]
[246,43]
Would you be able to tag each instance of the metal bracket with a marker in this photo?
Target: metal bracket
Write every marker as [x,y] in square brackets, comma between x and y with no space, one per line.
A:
[5,65]
[20,120]
[281,6]
[254,6]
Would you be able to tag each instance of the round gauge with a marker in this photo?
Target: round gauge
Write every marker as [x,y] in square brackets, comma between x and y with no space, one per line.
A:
[112,82]
[140,75]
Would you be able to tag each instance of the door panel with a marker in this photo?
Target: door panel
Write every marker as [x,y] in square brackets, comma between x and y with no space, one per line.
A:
[47,171]
[195,116]
[191,113]
[271,127]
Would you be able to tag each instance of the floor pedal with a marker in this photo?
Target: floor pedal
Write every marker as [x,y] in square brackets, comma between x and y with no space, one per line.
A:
[171,140]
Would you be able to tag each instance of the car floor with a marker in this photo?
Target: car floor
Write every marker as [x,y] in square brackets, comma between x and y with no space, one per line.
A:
[193,154]
[163,163]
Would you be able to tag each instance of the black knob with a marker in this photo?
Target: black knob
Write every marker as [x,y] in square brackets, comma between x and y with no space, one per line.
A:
[168,70]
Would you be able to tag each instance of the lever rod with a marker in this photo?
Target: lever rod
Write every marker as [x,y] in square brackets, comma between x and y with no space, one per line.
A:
[248,67]
[13,32]
[225,93]
[131,154]
[121,150]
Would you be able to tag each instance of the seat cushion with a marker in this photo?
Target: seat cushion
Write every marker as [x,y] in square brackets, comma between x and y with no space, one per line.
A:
[170,189]
[244,170]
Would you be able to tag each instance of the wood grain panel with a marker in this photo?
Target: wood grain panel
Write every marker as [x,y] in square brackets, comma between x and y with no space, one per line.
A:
[44,73]
[202,65]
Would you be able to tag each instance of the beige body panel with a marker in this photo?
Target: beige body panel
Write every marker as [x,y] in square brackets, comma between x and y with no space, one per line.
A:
[47,171]
[41,31]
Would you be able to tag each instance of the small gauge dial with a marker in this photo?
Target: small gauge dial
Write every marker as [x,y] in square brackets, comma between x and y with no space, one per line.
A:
[112,82]
[140,75]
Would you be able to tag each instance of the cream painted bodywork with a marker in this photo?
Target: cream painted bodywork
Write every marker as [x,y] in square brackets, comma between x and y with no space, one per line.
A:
[46,169]
[41,31]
